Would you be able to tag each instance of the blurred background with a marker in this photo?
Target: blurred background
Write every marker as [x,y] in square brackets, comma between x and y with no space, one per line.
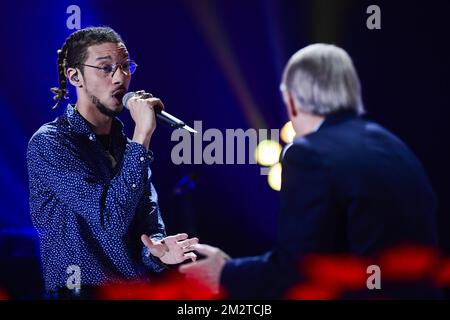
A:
[220,62]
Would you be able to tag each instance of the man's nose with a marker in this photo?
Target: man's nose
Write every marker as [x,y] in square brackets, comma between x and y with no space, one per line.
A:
[119,76]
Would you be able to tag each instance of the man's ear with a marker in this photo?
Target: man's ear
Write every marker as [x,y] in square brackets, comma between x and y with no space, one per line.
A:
[292,108]
[75,77]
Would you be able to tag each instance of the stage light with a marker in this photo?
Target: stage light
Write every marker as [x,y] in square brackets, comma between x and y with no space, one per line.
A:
[274,177]
[267,153]
[287,133]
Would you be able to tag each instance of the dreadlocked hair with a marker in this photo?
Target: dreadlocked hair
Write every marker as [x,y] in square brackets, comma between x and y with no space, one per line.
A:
[74,53]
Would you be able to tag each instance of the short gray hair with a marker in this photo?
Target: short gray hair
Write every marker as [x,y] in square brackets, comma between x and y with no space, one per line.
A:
[323,80]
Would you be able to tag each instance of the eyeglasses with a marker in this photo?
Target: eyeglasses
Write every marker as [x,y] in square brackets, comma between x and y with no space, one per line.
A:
[128,67]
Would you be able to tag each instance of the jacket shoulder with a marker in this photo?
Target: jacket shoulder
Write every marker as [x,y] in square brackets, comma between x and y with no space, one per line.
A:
[48,132]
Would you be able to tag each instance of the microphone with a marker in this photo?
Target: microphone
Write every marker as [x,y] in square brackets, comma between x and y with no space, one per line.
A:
[161,115]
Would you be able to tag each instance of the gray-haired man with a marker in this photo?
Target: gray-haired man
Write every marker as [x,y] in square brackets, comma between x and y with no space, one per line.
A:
[348,186]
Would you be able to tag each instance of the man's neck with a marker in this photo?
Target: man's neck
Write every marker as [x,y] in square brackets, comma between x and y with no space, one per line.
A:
[307,123]
[99,123]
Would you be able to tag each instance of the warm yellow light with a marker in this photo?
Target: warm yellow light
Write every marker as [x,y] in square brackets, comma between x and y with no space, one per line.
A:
[274,177]
[268,152]
[287,133]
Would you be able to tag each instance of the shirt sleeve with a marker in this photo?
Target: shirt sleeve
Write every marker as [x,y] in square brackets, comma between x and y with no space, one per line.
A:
[107,205]
[150,222]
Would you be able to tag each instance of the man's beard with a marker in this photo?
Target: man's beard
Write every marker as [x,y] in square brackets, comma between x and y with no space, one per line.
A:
[103,109]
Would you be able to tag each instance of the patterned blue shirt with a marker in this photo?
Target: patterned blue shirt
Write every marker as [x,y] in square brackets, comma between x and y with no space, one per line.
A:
[89,213]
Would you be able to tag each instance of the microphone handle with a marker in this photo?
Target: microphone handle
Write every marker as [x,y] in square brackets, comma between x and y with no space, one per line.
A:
[169,119]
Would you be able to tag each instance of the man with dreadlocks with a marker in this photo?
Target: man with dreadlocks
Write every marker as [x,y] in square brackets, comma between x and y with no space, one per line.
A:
[91,197]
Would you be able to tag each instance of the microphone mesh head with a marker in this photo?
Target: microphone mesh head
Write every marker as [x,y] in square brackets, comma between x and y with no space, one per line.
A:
[127,97]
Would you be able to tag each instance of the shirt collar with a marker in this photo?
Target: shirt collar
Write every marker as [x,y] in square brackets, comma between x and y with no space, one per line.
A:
[330,120]
[318,125]
[80,125]
[335,118]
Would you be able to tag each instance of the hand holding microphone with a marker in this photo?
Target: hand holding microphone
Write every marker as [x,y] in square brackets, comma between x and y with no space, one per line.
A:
[142,107]
[158,107]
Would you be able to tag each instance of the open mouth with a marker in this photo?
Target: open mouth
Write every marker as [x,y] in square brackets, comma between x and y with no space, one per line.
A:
[118,95]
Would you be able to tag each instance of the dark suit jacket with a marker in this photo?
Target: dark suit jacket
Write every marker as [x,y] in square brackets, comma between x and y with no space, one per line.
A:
[350,187]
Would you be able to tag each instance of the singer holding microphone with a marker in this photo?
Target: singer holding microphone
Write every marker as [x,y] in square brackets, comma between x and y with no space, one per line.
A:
[91,196]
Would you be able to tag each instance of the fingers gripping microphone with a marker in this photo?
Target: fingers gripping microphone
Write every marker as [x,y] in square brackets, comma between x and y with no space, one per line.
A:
[161,115]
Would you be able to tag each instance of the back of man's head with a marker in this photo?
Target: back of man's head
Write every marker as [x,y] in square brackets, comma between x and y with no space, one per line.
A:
[323,80]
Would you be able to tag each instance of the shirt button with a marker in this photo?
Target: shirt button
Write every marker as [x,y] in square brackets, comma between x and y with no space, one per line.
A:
[91,137]
[142,159]
[133,186]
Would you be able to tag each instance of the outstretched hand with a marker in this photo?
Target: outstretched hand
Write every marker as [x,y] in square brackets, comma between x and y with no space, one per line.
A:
[172,249]
[206,271]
